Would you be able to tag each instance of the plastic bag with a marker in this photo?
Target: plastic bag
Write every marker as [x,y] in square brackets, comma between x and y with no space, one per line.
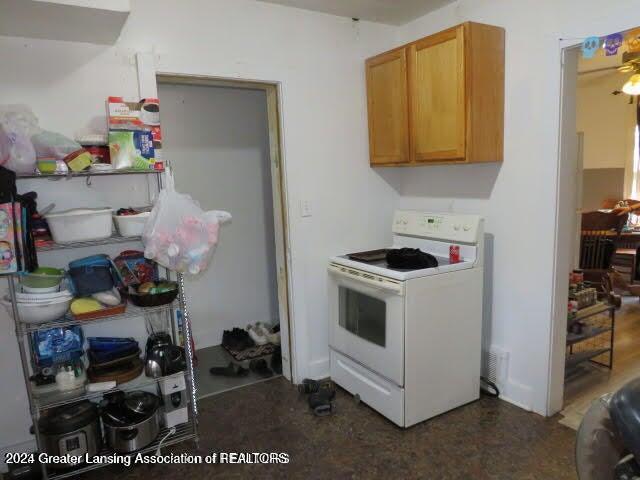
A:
[180,235]
[21,118]
[53,145]
[17,125]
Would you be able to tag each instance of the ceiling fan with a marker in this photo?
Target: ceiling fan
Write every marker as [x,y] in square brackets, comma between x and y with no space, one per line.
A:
[631,64]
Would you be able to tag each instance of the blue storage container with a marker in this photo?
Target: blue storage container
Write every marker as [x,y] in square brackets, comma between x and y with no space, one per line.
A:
[57,345]
[93,274]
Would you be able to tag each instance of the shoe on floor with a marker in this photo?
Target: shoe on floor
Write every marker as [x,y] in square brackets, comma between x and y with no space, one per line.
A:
[276,361]
[267,332]
[321,402]
[313,386]
[257,334]
[237,339]
[260,367]
[231,370]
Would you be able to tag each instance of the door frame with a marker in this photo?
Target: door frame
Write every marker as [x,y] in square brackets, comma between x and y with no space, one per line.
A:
[564,241]
[566,205]
[279,192]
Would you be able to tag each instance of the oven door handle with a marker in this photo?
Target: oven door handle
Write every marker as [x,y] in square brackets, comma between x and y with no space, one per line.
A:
[379,283]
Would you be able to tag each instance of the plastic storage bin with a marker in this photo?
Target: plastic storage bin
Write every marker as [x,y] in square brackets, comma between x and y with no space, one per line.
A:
[131,225]
[80,224]
[93,274]
[57,345]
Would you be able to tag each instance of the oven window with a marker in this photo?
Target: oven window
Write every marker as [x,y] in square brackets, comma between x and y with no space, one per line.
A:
[363,315]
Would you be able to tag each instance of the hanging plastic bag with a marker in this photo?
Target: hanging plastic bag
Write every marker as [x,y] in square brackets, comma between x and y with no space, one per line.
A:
[17,125]
[53,145]
[180,235]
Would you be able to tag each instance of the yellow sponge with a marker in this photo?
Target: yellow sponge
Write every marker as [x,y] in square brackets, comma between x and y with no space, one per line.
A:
[85,305]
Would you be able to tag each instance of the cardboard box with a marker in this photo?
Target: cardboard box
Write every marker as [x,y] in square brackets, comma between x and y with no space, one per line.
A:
[140,116]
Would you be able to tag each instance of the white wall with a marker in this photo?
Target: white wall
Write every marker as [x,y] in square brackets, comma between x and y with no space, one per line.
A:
[517,197]
[607,121]
[318,60]
[218,143]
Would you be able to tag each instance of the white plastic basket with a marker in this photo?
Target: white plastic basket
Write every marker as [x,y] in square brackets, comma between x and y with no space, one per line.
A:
[80,224]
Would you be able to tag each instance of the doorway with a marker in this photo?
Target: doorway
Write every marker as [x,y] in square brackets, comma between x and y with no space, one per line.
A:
[222,139]
[594,350]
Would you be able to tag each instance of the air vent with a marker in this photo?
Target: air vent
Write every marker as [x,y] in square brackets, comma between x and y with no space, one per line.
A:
[495,365]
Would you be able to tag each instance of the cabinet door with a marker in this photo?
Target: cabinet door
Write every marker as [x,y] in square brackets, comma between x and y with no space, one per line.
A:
[387,108]
[437,91]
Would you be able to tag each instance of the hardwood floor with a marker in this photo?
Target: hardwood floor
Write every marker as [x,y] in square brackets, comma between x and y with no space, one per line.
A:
[593,381]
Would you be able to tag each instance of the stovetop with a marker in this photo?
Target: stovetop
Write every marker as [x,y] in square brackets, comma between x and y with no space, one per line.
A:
[380,267]
[383,263]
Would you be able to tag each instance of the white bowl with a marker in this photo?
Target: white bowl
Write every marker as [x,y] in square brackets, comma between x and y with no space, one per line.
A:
[26,289]
[43,297]
[40,312]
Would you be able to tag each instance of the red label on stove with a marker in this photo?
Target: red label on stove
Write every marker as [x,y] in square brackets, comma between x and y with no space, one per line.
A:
[454,254]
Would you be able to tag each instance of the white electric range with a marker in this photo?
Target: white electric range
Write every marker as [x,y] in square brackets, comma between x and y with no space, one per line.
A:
[407,341]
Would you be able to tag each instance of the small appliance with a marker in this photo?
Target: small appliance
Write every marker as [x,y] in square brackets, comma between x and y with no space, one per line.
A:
[162,356]
[131,421]
[72,430]
[174,400]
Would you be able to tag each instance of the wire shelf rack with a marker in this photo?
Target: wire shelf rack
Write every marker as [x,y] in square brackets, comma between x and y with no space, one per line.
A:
[185,431]
[68,320]
[113,239]
[89,173]
[180,329]
[56,399]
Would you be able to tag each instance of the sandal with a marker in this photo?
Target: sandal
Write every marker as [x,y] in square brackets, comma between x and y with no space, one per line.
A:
[231,370]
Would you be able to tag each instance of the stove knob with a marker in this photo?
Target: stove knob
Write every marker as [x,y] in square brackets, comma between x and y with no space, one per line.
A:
[456,227]
[467,228]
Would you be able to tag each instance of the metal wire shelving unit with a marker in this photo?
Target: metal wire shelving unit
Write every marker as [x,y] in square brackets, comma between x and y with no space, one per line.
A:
[40,403]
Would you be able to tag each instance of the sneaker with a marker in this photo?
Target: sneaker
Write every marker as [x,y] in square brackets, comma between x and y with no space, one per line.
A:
[257,334]
[265,331]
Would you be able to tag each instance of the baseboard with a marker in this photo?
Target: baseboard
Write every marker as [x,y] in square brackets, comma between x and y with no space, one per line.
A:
[518,395]
[28,446]
[319,369]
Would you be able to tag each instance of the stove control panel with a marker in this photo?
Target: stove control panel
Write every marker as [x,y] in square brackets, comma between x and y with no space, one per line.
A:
[437,226]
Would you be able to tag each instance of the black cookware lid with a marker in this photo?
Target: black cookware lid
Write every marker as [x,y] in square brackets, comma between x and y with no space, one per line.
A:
[68,418]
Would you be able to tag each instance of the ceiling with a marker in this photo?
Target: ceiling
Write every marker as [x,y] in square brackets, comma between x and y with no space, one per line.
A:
[391,12]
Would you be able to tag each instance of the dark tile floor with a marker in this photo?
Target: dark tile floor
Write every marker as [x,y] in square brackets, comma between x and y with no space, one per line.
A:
[489,439]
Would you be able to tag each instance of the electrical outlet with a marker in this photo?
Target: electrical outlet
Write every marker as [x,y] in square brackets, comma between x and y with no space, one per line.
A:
[305,208]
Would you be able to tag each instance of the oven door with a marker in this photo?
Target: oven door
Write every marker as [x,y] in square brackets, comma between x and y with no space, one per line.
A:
[367,320]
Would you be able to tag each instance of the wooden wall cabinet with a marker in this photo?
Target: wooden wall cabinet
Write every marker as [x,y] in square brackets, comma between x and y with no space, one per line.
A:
[439,99]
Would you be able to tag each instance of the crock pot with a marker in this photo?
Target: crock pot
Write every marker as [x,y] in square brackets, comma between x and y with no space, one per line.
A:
[72,430]
[132,423]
